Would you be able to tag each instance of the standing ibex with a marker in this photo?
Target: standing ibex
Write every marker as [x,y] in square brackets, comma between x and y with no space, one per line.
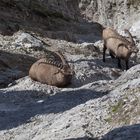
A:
[51,72]
[118,45]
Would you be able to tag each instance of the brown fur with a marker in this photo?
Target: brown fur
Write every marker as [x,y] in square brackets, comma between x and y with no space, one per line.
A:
[109,32]
[118,45]
[51,73]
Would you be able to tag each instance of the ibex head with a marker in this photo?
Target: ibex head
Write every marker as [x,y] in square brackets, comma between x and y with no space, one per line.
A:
[66,70]
[132,47]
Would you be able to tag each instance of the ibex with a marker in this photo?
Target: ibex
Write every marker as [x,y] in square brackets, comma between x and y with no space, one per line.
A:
[118,45]
[51,72]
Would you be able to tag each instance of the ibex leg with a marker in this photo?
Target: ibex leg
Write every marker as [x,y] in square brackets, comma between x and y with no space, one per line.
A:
[104,50]
[126,62]
[119,63]
[112,56]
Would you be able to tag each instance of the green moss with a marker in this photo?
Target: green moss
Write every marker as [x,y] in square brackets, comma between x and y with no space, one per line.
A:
[123,111]
[109,119]
[117,107]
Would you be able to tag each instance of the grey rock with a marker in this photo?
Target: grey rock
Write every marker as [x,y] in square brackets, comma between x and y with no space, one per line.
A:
[101,103]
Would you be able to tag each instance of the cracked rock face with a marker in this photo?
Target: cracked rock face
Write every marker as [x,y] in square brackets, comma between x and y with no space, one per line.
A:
[118,14]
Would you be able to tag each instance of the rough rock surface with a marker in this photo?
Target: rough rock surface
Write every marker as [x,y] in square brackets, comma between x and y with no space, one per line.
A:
[115,13]
[47,18]
[102,103]
[86,109]
[30,110]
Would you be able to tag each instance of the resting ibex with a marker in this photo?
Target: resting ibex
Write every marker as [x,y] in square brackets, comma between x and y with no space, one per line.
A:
[118,45]
[51,72]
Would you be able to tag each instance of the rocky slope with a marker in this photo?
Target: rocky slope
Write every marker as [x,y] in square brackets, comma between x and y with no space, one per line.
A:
[102,103]
[116,13]
[47,18]
[52,18]
[97,102]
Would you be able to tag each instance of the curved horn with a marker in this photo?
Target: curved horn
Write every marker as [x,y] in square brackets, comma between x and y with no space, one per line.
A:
[130,36]
[66,68]
[62,58]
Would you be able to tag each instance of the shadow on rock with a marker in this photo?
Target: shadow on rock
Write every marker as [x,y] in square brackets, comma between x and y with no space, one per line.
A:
[13,66]
[111,63]
[82,138]
[47,18]
[131,132]
[98,62]
[17,107]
